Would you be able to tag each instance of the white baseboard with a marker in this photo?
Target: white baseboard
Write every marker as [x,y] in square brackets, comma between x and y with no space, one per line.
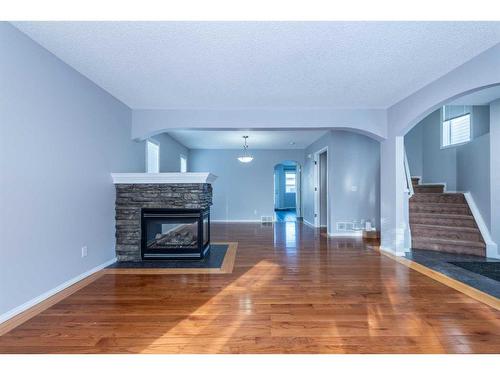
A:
[389,250]
[436,183]
[346,234]
[491,246]
[25,306]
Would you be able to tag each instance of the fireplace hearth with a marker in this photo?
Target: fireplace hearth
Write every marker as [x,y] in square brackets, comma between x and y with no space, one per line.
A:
[174,233]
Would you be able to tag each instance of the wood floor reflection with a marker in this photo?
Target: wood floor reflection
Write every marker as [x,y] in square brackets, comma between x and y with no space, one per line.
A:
[292,290]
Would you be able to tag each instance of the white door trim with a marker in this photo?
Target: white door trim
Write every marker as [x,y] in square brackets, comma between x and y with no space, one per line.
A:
[317,208]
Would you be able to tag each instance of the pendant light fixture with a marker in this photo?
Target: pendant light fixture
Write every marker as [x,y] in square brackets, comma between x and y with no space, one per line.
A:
[245,157]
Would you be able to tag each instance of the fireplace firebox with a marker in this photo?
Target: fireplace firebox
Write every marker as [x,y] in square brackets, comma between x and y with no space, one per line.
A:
[174,233]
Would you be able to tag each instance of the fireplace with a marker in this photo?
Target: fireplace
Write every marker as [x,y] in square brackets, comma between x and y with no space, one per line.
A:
[180,233]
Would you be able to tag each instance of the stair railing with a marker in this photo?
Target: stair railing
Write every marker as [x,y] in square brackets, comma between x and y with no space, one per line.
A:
[409,183]
[406,204]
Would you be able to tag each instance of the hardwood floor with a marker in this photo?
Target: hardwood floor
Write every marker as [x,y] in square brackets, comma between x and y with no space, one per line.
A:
[291,291]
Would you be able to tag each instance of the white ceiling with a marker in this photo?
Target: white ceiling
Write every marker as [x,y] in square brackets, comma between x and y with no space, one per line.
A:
[481,97]
[266,139]
[166,65]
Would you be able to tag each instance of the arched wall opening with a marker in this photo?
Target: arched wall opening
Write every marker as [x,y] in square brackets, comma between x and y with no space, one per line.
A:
[478,73]
[453,145]
[371,122]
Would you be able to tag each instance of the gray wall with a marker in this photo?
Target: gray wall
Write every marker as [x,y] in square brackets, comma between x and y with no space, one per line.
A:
[473,173]
[439,165]
[462,168]
[242,191]
[495,170]
[60,137]
[170,152]
[353,178]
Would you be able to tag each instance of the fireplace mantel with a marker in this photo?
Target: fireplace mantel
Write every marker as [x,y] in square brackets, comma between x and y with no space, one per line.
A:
[164,178]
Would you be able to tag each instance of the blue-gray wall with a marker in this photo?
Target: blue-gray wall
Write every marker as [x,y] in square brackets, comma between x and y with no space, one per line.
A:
[473,173]
[439,165]
[241,191]
[463,168]
[60,137]
[495,170]
[353,178]
[170,152]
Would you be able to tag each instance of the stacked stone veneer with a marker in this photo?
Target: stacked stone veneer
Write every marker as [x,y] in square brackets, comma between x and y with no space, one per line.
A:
[130,198]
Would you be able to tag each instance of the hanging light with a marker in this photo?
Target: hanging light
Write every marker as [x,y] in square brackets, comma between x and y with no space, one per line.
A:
[245,157]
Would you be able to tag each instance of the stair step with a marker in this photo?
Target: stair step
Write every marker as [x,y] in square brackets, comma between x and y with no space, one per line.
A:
[449,246]
[438,198]
[443,219]
[431,188]
[439,208]
[446,232]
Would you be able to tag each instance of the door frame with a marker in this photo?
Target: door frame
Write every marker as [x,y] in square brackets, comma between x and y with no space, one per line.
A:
[316,190]
[298,187]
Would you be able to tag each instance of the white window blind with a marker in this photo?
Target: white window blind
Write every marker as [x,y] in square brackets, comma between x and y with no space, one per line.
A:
[152,157]
[183,164]
[290,182]
[456,130]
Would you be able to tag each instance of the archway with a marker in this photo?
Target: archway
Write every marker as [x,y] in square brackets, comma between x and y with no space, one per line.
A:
[469,155]
[287,191]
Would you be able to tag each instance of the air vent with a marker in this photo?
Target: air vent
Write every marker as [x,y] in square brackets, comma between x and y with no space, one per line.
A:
[266,219]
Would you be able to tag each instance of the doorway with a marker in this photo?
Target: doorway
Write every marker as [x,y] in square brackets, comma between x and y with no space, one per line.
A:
[321,188]
[287,191]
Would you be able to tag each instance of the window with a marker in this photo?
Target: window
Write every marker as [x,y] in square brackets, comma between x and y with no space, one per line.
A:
[456,130]
[290,182]
[184,163]
[152,157]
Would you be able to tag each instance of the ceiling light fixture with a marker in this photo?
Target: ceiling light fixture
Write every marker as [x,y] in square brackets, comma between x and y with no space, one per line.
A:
[245,157]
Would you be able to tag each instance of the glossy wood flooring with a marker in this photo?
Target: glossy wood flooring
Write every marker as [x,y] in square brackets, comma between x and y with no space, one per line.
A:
[291,291]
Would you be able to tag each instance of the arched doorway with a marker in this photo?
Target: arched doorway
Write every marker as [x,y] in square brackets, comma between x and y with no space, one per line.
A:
[287,191]
[452,151]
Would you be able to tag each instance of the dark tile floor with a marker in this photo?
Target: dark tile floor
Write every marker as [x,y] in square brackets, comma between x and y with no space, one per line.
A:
[443,263]
[213,259]
[488,269]
[286,215]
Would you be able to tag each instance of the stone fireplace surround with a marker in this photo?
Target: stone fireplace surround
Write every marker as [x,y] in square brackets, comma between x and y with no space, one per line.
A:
[135,191]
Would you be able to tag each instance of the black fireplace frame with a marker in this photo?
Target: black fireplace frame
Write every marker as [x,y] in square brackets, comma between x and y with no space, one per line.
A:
[181,253]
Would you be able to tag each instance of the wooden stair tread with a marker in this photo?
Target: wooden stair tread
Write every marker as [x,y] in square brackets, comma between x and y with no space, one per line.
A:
[437,194]
[443,215]
[450,242]
[446,227]
[430,185]
[439,204]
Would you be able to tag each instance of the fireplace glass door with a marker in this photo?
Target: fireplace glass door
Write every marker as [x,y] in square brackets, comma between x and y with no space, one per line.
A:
[175,233]
[169,233]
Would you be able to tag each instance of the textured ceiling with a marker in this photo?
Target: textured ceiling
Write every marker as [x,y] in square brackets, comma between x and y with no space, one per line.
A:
[154,65]
[258,139]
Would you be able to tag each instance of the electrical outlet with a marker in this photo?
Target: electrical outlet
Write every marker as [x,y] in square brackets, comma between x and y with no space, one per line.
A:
[255,212]
[84,251]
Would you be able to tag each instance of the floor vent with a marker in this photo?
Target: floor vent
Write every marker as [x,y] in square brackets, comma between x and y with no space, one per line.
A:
[266,219]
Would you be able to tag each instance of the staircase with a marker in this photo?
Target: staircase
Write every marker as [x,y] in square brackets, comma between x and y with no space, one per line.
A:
[443,222]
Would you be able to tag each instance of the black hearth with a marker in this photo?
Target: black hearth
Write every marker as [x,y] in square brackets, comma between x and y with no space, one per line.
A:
[180,233]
